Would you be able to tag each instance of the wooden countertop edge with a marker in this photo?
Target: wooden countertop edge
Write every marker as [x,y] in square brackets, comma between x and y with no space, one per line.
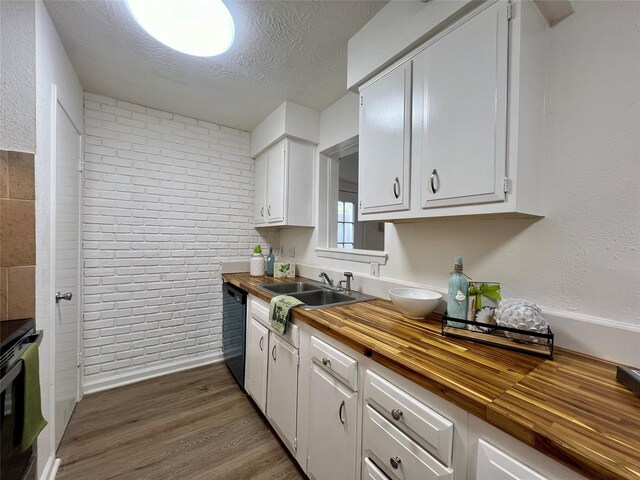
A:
[488,411]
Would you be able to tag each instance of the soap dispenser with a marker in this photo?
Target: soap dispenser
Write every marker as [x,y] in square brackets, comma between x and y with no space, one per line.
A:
[271,260]
[458,301]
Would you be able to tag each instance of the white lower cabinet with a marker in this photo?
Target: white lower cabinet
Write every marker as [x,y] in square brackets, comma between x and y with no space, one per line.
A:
[397,454]
[332,428]
[257,353]
[282,388]
[494,464]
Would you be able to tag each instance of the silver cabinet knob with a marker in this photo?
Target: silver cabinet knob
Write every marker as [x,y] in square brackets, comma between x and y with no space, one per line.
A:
[395,462]
[63,296]
[396,413]
[434,174]
[326,361]
[340,412]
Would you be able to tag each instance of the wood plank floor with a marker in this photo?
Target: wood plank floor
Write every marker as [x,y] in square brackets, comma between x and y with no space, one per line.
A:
[195,425]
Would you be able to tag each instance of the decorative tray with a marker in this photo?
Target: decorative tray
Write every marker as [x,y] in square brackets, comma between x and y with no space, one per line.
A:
[525,341]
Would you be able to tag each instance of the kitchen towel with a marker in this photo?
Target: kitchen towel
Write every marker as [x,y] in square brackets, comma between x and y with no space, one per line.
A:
[279,309]
[32,420]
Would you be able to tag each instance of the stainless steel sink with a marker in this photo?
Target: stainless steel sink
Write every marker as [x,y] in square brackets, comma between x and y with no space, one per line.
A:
[293,287]
[315,295]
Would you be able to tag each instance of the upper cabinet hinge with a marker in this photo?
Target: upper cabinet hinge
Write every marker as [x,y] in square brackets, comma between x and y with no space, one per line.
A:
[509,7]
[506,185]
[361,100]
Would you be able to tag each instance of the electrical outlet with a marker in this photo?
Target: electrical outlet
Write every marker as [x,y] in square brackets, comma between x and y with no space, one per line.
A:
[291,251]
[374,269]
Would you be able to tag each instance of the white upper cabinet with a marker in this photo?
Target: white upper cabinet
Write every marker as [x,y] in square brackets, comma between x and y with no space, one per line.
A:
[385,150]
[460,86]
[476,127]
[284,185]
[260,204]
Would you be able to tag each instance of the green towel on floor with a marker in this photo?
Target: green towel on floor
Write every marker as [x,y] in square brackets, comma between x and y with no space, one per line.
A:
[279,311]
[32,419]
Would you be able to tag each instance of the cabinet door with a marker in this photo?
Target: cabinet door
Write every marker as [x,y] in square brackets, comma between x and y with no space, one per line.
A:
[332,428]
[282,389]
[257,351]
[276,183]
[494,464]
[260,208]
[461,90]
[385,121]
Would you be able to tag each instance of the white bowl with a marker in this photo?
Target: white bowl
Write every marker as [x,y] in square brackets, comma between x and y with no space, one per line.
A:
[414,302]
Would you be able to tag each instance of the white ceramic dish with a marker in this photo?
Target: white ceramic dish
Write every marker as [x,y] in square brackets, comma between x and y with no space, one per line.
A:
[415,303]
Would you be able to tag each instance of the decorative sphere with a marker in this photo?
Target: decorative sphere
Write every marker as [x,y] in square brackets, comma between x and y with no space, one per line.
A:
[523,315]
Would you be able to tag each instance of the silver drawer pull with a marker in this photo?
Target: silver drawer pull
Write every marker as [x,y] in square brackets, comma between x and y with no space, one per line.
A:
[340,412]
[326,362]
[396,187]
[269,210]
[261,343]
[396,413]
[395,462]
[273,353]
[63,296]
[262,211]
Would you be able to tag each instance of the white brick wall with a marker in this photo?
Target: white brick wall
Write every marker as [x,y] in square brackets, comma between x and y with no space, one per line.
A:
[166,200]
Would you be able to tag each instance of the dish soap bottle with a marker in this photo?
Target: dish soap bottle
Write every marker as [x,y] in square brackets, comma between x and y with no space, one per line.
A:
[271,260]
[458,301]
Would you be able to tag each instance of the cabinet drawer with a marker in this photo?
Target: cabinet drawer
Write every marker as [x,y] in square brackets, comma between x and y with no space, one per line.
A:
[333,360]
[370,471]
[260,311]
[434,431]
[494,464]
[396,452]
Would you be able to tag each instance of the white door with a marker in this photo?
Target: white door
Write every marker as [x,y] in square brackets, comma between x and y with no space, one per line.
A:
[461,86]
[332,428]
[260,209]
[385,142]
[282,390]
[66,269]
[276,185]
[257,351]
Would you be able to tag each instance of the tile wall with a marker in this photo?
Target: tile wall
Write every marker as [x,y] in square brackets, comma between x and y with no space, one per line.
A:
[17,235]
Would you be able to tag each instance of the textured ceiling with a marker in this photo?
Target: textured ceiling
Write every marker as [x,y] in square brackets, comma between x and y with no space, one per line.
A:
[284,50]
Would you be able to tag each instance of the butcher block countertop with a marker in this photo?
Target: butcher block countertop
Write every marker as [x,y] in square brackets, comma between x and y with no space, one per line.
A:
[570,408]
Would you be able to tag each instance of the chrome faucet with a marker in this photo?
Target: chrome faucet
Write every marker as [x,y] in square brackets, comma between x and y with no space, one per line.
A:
[325,278]
[348,276]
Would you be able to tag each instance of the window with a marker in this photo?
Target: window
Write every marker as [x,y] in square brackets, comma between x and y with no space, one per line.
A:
[346,225]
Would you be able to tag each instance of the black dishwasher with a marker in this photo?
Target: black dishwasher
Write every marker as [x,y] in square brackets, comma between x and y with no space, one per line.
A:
[234,314]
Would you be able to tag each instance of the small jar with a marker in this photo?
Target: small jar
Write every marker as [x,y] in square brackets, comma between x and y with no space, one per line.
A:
[256,265]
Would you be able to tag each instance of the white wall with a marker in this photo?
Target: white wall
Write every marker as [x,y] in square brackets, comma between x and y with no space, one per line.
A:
[166,200]
[583,259]
[17,69]
[52,68]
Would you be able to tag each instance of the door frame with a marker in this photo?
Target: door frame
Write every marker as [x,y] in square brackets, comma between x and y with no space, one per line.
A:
[55,101]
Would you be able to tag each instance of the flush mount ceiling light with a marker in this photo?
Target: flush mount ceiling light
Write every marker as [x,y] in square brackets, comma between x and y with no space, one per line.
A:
[203,28]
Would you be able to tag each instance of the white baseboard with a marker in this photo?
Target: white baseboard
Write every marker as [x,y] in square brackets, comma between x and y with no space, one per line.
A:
[600,337]
[128,378]
[51,468]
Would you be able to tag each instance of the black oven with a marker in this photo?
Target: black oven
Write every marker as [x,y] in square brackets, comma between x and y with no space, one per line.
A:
[16,336]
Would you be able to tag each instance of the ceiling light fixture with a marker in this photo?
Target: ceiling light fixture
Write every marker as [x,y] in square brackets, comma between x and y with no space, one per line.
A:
[203,28]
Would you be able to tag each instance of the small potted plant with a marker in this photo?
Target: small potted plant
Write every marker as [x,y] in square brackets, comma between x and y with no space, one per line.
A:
[256,262]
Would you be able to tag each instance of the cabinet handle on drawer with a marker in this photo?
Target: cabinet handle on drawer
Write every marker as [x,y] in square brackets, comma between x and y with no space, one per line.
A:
[396,413]
[273,353]
[262,211]
[340,412]
[261,343]
[434,174]
[396,187]
[326,362]
[395,462]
